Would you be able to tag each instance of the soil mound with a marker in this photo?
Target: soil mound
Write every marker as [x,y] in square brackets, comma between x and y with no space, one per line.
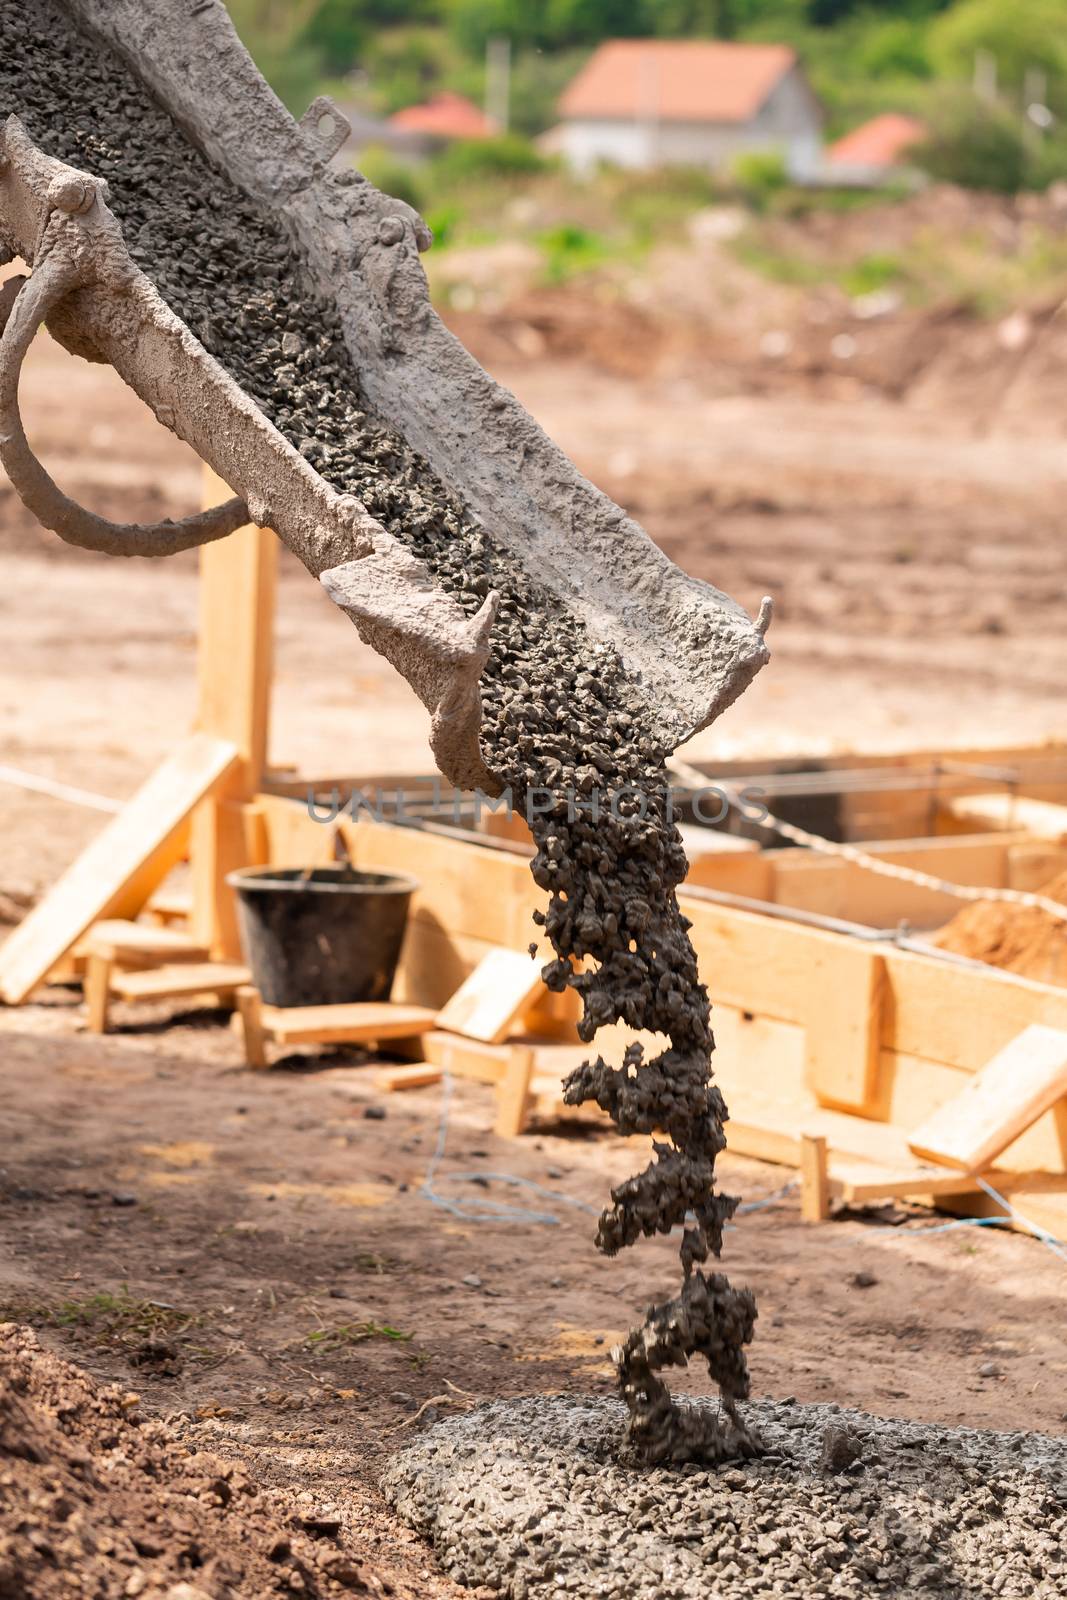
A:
[94,1503]
[534,1498]
[1022,939]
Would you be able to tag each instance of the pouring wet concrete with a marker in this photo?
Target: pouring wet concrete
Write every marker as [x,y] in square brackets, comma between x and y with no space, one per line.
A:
[539,1498]
[562,722]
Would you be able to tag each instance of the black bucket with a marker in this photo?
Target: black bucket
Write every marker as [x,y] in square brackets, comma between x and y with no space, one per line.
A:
[324,937]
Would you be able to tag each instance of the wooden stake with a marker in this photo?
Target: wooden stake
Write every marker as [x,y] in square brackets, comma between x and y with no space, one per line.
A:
[238,578]
[97,990]
[255,1041]
[513,1094]
[814,1179]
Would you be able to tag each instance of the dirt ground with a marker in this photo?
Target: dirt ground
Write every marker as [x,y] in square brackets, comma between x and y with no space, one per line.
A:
[256,1254]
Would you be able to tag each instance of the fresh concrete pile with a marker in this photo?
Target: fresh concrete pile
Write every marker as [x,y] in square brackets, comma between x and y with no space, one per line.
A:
[536,1499]
[560,714]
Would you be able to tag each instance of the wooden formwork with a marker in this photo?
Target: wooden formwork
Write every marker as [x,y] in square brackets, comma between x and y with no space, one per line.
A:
[834,1041]
[832,1033]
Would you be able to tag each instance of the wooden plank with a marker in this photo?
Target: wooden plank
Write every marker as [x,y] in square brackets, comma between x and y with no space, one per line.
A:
[291,837]
[749,875]
[413,1075]
[225,837]
[487,1005]
[161,983]
[960,1015]
[467,1058]
[238,578]
[1038,818]
[346,1024]
[860,1182]
[843,1032]
[118,871]
[814,1182]
[170,905]
[842,889]
[470,889]
[140,942]
[914,1088]
[1033,865]
[1017,1086]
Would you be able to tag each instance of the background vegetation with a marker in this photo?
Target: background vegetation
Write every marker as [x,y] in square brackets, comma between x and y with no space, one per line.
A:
[863,57]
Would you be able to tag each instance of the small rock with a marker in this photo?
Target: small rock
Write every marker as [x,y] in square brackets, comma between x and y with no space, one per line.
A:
[123,1199]
[989,1369]
[321,1523]
[864,1280]
[400,1397]
[374,1113]
[472,1280]
[841,1447]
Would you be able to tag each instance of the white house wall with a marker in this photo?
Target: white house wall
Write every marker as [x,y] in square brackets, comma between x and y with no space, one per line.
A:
[789,120]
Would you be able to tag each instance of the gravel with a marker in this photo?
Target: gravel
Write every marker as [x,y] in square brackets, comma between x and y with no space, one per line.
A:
[538,1498]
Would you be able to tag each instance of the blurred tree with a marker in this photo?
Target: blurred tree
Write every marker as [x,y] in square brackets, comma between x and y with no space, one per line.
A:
[692,18]
[896,49]
[828,13]
[407,64]
[271,31]
[475,22]
[1017,36]
[575,22]
[337,32]
[977,145]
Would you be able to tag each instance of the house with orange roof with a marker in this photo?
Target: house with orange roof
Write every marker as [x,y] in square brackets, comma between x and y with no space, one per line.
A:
[875,151]
[440,120]
[646,103]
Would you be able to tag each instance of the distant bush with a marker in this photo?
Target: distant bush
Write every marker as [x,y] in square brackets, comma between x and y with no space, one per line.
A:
[976,145]
[392,176]
[569,249]
[871,273]
[442,223]
[760,175]
[507,156]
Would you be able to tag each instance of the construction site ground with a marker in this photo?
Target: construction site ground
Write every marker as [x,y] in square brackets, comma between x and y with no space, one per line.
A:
[254,1254]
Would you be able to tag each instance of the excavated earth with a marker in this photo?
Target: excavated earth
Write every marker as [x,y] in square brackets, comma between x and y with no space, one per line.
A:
[559,712]
[95,1503]
[536,1498]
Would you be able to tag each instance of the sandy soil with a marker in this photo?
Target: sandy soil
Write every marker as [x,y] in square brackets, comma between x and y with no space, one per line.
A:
[283,1230]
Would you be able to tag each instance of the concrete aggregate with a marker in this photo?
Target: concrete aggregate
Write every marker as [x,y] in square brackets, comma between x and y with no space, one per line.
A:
[540,1498]
[563,727]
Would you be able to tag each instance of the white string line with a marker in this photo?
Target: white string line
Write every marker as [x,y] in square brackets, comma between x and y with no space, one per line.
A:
[695,779]
[922,880]
[58,791]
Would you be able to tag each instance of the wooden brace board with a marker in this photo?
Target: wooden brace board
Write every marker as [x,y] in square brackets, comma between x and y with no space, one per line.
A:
[116,874]
[999,1103]
[487,1005]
